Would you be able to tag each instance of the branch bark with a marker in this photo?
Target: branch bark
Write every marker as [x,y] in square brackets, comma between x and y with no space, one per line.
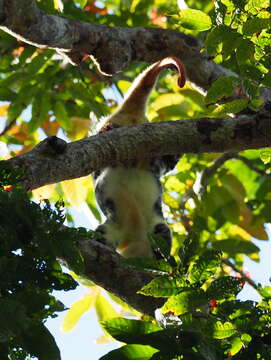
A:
[104,268]
[113,48]
[51,161]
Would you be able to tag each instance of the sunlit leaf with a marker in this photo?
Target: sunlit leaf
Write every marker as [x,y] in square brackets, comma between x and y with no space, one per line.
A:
[76,190]
[265,156]
[194,20]
[44,192]
[236,346]
[233,106]
[221,88]
[163,287]
[205,266]
[222,330]
[3,109]
[104,308]
[80,128]
[170,201]
[58,5]
[185,302]
[78,309]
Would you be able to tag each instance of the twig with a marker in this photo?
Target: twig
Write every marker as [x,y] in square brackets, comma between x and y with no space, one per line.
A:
[251,166]
[243,275]
[8,127]
[211,170]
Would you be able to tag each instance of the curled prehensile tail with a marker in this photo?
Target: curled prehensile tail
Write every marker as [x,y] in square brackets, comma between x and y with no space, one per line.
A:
[130,194]
[133,108]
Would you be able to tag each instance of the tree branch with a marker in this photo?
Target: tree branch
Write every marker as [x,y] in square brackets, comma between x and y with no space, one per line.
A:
[104,268]
[113,48]
[51,161]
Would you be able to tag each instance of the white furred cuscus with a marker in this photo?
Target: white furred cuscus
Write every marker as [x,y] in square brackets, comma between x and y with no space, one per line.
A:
[130,194]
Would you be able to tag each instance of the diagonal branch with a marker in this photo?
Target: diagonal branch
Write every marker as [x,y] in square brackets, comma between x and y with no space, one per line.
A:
[51,161]
[114,48]
[104,268]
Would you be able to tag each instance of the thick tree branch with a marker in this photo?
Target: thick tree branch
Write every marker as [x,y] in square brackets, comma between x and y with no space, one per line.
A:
[104,268]
[114,48]
[51,161]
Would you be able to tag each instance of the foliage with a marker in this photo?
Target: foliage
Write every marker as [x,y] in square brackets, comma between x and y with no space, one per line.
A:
[217,206]
[32,239]
[201,318]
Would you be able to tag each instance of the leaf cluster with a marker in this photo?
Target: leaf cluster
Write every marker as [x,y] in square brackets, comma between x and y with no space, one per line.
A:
[201,318]
[32,239]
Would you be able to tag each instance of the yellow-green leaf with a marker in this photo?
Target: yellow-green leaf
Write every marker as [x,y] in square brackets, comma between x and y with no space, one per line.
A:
[76,190]
[104,309]
[77,310]
[234,106]
[44,192]
[170,201]
[194,20]
[223,330]
[58,5]
[236,346]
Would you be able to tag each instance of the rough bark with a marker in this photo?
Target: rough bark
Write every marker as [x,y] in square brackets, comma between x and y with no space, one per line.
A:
[51,161]
[113,48]
[104,268]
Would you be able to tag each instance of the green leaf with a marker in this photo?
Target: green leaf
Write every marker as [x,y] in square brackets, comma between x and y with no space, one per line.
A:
[205,266]
[267,79]
[236,345]
[104,309]
[76,311]
[189,249]
[38,61]
[195,20]
[21,102]
[236,245]
[256,25]
[220,330]
[265,292]
[40,108]
[82,3]
[62,116]
[152,266]
[223,288]
[246,338]
[126,330]
[221,88]
[245,52]
[15,313]
[161,246]
[163,286]
[7,95]
[40,342]
[185,302]
[131,352]
[253,6]
[222,39]
[265,156]
[234,107]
